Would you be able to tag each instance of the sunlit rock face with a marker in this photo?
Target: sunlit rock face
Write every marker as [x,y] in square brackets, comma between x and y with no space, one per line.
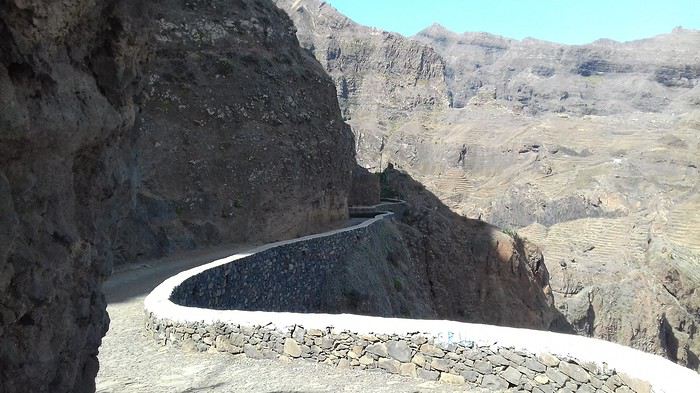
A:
[590,151]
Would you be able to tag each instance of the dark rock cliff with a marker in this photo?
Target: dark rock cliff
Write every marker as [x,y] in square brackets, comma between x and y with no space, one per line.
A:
[472,270]
[239,139]
[68,72]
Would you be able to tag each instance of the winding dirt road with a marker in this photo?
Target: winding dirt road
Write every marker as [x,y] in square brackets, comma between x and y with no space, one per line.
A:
[131,362]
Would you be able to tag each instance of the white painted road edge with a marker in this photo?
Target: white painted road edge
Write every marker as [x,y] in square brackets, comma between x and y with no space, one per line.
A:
[664,375]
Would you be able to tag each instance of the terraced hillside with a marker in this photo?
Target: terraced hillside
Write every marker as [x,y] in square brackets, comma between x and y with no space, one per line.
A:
[592,151]
[597,194]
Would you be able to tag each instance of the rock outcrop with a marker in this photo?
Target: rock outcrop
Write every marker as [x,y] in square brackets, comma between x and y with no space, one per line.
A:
[68,74]
[365,189]
[239,139]
[475,272]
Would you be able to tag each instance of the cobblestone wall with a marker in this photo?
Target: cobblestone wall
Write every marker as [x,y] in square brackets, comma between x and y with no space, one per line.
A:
[291,278]
[417,355]
[344,271]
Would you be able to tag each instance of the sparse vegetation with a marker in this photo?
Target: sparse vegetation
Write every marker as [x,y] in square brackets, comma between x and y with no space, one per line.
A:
[511,232]
[398,285]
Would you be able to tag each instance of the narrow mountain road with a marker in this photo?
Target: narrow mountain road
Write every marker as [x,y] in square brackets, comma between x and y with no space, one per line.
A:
[131,362]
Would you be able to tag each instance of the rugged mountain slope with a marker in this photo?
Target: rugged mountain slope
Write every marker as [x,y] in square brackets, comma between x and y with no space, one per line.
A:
[239,138]
[430,262]
[373,69]
[604,77]
[380,77]
[590,151]
[474,271]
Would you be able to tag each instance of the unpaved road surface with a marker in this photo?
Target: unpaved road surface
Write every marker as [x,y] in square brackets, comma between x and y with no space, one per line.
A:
[131,362]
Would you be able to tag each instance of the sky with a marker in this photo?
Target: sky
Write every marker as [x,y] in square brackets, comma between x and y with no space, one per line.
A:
[563,21]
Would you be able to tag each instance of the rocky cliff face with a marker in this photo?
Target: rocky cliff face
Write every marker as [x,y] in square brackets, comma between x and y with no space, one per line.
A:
[373,69]
[68,72]
[604,77]
[589,151]
[474,272]
[239,139]
[380,77]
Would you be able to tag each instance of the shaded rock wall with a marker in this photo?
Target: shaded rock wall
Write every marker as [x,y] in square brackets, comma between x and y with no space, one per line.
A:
[238,123]
[68,71]
[239,138]
[365,189]
[363,271]
[476,272]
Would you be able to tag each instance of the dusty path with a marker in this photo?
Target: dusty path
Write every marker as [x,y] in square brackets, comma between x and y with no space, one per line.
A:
[130,362]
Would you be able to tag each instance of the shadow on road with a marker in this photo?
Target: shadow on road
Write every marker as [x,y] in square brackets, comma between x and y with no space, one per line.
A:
[133,281]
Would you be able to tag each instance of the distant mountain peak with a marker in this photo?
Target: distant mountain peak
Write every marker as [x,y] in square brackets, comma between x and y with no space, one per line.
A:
[435,29]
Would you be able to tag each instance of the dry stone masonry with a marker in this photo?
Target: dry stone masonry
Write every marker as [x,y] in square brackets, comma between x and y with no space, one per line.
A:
[417,355]
[189,311]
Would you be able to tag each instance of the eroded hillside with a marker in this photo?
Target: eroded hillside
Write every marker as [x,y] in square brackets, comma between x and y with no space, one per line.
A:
[601,78]
[589,151]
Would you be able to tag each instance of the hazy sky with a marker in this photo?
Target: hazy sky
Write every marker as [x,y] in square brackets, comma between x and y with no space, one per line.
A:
[565,21]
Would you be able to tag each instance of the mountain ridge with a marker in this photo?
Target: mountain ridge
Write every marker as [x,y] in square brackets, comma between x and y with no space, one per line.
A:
[437,27]
[591,151]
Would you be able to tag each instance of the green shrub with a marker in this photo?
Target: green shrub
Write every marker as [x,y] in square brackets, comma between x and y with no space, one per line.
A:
[398,285]
[511,232]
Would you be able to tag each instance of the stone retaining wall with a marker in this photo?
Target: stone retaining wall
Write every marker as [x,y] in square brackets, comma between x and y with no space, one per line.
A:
[416,355]
[493,357]
[299,276]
